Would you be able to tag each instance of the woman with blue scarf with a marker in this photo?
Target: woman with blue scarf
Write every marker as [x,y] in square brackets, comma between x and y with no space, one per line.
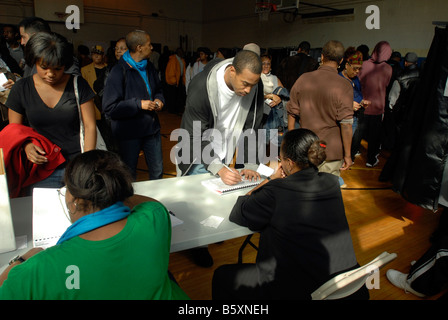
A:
[132,97]
[110,251]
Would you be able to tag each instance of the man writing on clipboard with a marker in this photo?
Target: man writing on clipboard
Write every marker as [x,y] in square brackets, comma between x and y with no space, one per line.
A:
[226,100]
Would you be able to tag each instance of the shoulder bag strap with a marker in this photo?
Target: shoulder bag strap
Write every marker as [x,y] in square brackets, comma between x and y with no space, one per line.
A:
[81,124]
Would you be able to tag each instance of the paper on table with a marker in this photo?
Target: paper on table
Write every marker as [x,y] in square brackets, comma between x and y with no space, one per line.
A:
[3,80]
[175,221]
[212,221]
[265,170]
[49,219]
[218,186]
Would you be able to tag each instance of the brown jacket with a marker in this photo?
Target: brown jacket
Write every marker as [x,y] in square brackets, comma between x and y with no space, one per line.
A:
[173,72]
[322,99]
[88,73]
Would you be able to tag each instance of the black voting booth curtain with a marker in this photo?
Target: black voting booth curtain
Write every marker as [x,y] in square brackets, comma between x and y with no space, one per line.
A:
[416,165]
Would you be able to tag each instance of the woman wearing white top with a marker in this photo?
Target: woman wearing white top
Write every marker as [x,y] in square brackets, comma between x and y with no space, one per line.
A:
[204,56]
[270,84]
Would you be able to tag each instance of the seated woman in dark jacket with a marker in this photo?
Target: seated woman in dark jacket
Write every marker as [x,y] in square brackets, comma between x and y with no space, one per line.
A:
[304,235]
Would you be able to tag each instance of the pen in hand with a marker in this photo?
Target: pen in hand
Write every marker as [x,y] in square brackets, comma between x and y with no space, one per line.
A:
[229,176]
[228,168]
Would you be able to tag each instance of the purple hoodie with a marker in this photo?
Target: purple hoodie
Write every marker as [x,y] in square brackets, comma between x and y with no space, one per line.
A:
[375,76]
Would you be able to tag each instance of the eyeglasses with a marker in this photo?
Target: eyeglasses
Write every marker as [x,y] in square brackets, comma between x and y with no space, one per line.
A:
[354,68]
[61,194]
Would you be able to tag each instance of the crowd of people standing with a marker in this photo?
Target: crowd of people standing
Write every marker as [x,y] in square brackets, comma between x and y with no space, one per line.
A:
[322,109]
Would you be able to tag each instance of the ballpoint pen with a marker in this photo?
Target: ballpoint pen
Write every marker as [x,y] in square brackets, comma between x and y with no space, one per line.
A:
[228,168]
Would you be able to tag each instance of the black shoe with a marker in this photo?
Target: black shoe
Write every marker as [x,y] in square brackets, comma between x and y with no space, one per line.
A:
[202,257]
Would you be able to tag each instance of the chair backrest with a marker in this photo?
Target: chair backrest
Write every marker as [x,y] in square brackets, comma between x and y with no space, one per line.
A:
[347,283]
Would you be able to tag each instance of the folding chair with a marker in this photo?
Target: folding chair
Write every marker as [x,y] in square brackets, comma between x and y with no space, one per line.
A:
[243,246]
[347,283]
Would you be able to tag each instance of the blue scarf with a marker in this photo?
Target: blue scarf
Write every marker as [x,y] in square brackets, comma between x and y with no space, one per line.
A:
[95,220]
[140,67]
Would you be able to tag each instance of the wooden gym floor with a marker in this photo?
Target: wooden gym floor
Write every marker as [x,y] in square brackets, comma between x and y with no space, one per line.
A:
[380,220]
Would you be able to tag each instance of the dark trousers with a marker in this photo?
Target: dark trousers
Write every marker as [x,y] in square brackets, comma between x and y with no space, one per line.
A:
[358,135]
[152,148]
[237,281]
[369,127]
[429,275]
[175,98]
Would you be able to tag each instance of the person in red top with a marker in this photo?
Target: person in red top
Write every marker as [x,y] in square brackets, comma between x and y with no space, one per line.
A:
[375,76]
[323,101]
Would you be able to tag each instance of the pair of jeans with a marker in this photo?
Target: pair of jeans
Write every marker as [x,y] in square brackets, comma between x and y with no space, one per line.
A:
[196,169]
[152,149]
[55,180]
[358,131]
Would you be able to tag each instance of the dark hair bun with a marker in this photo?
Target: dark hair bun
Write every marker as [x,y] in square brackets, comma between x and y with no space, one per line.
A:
[317,153]
[99,177]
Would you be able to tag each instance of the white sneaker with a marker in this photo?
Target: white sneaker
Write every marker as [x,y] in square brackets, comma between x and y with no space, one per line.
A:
[370,165]
[399,280]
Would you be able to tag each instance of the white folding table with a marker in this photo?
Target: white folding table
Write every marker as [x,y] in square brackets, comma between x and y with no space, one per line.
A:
[185,196]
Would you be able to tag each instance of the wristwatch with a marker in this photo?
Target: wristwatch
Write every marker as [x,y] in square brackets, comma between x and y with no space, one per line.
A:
[18,258]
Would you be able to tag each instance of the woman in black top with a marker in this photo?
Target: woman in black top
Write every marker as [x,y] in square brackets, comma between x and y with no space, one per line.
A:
[46,102]
[304,235]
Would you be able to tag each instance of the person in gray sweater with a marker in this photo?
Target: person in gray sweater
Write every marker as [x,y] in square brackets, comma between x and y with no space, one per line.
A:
[224,106]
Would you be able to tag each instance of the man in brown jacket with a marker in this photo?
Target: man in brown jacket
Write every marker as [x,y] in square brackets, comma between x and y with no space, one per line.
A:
[323,102]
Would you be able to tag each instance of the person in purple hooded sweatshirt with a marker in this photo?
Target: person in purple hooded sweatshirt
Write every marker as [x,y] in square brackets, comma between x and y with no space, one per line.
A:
[375,76]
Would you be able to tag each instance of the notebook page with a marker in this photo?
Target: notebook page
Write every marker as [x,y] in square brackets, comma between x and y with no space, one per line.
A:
[49,219]
[216,185]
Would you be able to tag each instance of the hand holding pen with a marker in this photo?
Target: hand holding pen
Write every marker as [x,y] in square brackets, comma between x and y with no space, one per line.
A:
[229,176]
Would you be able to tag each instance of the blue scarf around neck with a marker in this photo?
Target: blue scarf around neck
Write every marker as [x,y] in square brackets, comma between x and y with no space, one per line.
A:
[96,220]
[140,67]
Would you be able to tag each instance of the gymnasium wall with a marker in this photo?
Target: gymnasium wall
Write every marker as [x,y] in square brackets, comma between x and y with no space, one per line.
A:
[406,24]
